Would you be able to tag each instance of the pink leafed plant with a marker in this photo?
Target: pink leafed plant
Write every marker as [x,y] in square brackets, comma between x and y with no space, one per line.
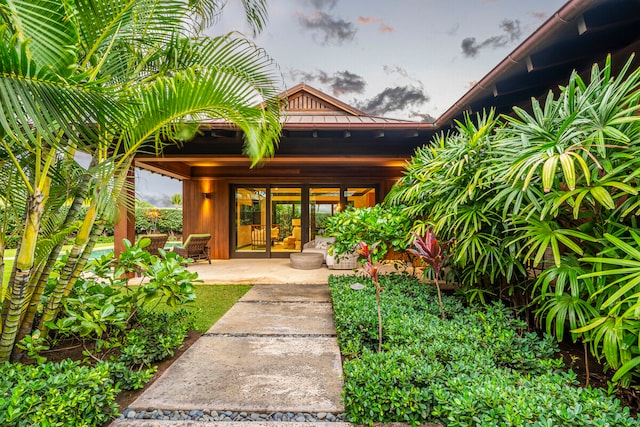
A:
[429,250]
[366,251]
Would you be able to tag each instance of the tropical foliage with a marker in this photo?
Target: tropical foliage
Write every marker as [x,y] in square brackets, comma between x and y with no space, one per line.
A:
[542,206]
[480,367]
[109,78]
[429,250]
[388,226]
[120,330]
[365,252]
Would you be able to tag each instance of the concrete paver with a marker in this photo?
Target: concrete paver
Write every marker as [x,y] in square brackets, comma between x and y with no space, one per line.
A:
[273,351]
[276,319]
[260,271]
[251,374]
[288,293]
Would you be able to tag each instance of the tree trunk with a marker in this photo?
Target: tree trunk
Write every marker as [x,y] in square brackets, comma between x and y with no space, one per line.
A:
[26,324]
[10,324]
[68,278]
[24,265]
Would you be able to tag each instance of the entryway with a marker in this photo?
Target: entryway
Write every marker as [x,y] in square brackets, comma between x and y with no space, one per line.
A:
[271,221]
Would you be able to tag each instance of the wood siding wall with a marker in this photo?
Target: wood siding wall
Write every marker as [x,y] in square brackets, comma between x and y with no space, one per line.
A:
[207,214]
[306,102]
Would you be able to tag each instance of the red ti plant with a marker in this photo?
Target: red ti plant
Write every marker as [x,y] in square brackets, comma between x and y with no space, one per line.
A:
[372,271]
[433,253]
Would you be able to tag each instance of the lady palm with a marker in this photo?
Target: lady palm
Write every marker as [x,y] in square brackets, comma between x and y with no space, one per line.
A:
[550,184]
[109,77]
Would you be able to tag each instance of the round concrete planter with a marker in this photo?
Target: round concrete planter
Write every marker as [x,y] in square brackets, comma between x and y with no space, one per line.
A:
[306,260]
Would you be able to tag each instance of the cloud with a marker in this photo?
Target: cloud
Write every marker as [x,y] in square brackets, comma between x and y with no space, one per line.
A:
[453,30]
[382,27]
[394,99]
[158,200]
[367,20]
[511,28]
[395,69]
[540,16]
[340,82]
[323,4]
[422,117]
[329,28]
[391,70]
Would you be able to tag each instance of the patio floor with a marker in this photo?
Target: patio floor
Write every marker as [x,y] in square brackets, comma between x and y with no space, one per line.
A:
[260,271]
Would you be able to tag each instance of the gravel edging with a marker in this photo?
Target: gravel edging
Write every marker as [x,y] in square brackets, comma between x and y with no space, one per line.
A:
[207,415]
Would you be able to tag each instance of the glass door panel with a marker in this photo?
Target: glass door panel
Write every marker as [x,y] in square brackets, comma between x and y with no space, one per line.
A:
[323,203]
[286,214]
[360,197]
[252,233]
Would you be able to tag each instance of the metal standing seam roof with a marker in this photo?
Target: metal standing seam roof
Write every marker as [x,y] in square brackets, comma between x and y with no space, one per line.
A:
[346,121]
[313,109]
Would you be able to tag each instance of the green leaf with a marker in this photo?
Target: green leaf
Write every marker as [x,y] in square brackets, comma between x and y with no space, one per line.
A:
[107,311]
[549,172]
[603,197]
[626,368]
[568,169]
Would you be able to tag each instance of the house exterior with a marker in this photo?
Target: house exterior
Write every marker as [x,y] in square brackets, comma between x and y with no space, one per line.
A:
[332,155]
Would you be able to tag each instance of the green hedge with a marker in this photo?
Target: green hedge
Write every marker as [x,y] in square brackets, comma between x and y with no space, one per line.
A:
[56,394]
[169,220]
[479,367]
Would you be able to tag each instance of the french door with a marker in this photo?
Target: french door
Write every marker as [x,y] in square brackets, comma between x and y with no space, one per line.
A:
[276,220]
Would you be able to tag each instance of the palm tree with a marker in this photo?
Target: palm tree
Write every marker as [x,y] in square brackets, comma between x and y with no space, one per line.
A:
[176,201]
[110,78]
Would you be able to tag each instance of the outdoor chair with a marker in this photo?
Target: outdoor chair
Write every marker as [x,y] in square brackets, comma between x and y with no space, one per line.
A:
[195,247]
[319,245]
[157,242]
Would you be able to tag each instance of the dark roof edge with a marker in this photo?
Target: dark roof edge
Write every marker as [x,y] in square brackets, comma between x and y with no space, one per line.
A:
[330,126]
[546,31]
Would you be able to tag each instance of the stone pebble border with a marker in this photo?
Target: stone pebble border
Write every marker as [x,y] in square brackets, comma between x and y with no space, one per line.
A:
[205,415]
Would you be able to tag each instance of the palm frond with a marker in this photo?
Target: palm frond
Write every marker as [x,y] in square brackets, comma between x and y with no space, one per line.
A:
[28,20]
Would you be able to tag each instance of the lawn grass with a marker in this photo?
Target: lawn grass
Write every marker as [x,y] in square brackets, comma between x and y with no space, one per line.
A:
[212,302]
[10,254]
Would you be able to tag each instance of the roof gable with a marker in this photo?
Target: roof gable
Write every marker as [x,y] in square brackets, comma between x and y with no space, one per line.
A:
[306,99]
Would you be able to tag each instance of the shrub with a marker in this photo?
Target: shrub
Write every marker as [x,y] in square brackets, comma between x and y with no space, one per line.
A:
[105,310]
[169,220]
[127,378]
[56,394]
[389,226]
[480,366]
[156,337]
[549,191]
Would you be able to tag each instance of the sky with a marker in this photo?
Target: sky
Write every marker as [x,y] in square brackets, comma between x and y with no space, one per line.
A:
[404,59]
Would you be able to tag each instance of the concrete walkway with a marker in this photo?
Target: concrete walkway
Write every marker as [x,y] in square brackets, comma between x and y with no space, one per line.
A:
[273,351]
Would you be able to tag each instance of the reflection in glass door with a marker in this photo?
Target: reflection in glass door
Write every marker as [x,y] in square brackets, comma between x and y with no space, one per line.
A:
[252,233]
[272,221]
[323,203]
[360,197]
[286,218]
